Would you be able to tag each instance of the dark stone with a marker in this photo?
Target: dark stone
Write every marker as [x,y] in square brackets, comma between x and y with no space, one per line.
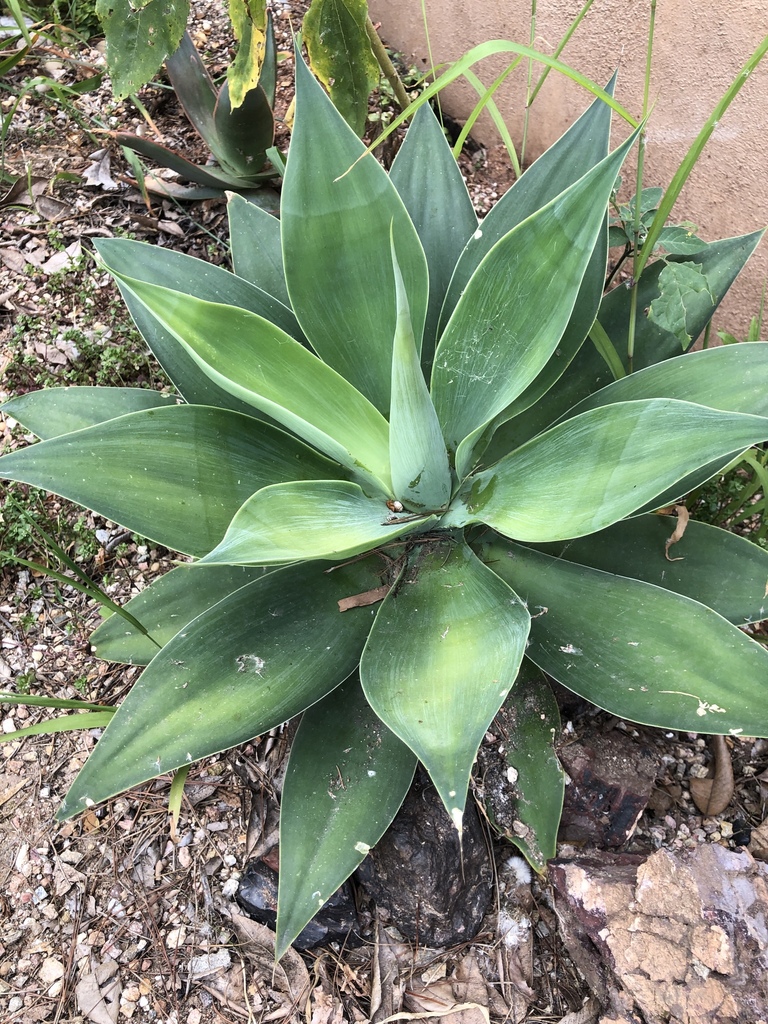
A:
[335,922]
[435,893]
[612,777]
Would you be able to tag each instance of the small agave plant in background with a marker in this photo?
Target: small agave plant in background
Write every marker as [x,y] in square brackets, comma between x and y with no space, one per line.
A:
[238,137]
[410,488]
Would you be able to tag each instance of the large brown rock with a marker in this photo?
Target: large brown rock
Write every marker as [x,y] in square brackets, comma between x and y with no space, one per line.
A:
[680,937]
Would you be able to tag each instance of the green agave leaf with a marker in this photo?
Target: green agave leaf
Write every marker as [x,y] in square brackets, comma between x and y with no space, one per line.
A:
[637,650]
[325,519]
[346,779]
[501,333]
[185,274]
[442,656]
[340,55]
[215,179]
[428,179]
[194,88]
[588,373]
[577,151]
[257,255]
[254,660]
[337,262]
[733,378]
[421,476]
[583,317]
[176,475]
[55,411]
[165,607]
[245,133]
[712,566]
[599,467]
[528,721]
[252,359]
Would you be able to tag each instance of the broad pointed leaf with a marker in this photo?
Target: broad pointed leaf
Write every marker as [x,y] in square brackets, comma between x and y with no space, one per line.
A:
[166,606]
[720,262]
[714,567]
[503,329]
[217,179]
[522,777]
[442,656]
[325,519]
[732,377]
[254,660]
[579,149]
[176,270]
[55,411]
[340,55]
[257,255]
[421,476]
[637,650]
[251,358]
[175,475]
[194,88]
[599,467]
[337,261]
[428,179]
[346,778]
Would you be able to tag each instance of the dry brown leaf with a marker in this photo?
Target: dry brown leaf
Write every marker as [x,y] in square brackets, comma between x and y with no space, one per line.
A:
[325,1008]
[682,521]
[386,987]
[257,944]
[758,845]
[713,795]
[98,172]
[361,600]
[98,993]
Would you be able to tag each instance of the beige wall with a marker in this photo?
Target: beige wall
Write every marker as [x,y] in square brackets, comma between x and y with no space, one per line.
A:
[700,46]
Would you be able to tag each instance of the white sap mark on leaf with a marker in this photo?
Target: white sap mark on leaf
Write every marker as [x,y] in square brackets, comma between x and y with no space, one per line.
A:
[735,732]
[633,643]
[452,793]
[363,848]
[570,649]
[316,896]
[512,775]
[478,234]
[371,774]
[704,707]
[444,634]
[249,661]
[458,819]
[189,756]
[89,802]
[542,610]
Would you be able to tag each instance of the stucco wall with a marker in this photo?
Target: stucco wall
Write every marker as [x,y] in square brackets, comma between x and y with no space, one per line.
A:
[700,46]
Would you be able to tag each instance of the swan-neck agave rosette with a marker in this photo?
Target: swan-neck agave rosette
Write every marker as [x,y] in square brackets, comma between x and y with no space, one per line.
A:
[409,486]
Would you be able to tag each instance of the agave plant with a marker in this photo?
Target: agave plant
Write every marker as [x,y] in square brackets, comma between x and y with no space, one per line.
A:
[239,138]
[409,486]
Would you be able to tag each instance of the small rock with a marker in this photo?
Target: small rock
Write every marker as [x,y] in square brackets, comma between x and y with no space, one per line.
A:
[51,970]
[335,922]
[612,777]
[176,937]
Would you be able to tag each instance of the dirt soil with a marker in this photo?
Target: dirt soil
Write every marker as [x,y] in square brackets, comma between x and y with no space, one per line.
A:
[124,914]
